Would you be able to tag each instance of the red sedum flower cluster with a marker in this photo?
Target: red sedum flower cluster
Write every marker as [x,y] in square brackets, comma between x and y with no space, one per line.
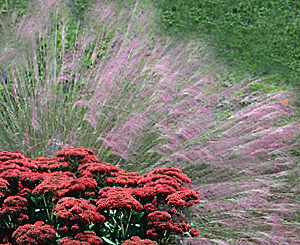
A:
[85,238]
[36,234]
[13,165]
[52,183]
[98,170]
[74,157]
[183,197]
[83,200]
[4,186]
[125,179]
[49,164]
[77,211]
[15,208]
[80,153]
[161,221]
[74,187]
[176,173]
[117,198]
[135,240]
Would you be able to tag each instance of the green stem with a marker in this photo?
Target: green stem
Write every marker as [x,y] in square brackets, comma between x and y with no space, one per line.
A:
[45,203]
[116,224]
[7,225]
[12,225]
[128,223]
[165,234]
[9,218]
[51,216]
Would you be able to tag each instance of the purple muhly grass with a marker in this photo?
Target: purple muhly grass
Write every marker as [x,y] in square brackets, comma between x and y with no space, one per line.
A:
[258,123]
[241,152]
[107,13]
[158,105]
[202,241]
[120,139]
[28,27]
[251,162]
[249,203]
[272,140]
[250,145]
[182,109]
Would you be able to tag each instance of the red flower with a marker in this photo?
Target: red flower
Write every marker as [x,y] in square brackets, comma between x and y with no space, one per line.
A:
[3,187]
[158,216]
[6,155]
[74,157]
[77,211]
[31,179]
[24,192]
[95,168]
[135,240]
[152,233]
[184,197]
[14,205]
[64,229]
[104,192]
[22,218]
[125,179]
[73,187]
[117,198]
[77,152]
[89,159]
[24,164]
[174,210]
[71,241]
[85,238]
[173,172]
[143,192]
[164,189]
[194,232]
[187,227]
[34,234]
[64,183]
[89,236]
[53,182]
[3,184]
[49,164]
[150,207]
[75,228]
[163,184]
[11,174]
[161,221]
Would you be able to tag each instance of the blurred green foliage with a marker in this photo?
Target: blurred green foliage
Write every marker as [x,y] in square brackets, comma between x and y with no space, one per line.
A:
[79,8]
[13,9]
[256,36]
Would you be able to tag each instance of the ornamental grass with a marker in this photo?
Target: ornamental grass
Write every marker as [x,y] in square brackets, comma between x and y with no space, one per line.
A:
[101,75]
[49,207]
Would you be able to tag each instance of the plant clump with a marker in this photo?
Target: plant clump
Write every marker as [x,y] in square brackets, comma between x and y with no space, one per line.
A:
[90,202]
[36,234]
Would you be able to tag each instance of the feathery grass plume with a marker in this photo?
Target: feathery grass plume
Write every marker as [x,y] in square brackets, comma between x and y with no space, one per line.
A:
[36,99]
[142,101]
